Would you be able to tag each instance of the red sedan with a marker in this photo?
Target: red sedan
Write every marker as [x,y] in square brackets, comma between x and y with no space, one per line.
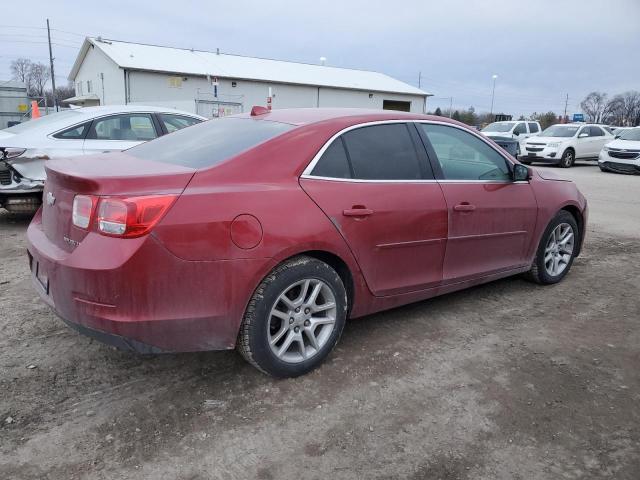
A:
[267,231]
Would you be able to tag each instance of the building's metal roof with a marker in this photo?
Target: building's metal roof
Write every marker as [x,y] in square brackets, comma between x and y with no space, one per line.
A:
[136,56]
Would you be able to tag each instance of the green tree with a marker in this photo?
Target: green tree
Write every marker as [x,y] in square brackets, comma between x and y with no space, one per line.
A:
[456,115]
[438,112]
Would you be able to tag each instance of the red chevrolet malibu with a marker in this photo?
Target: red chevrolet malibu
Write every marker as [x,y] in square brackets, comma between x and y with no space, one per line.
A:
[267,231]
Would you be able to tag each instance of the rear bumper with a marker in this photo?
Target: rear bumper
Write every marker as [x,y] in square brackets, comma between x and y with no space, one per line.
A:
[136,295]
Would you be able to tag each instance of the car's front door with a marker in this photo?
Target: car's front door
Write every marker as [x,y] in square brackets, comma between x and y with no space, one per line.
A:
[491,218]
[375,184]
[119,132]
[584,143]
[598,140]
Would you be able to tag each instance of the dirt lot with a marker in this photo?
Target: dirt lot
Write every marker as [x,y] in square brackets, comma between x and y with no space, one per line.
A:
[504,381]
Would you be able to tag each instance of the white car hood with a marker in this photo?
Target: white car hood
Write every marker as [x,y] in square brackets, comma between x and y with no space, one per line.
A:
[540,139]
[625,144]
[5,136]
[497,134]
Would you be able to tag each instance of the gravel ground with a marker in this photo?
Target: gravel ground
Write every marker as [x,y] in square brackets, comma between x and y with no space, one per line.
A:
[505,381]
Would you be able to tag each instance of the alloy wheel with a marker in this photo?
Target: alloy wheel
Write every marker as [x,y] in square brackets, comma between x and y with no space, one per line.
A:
[568,159]
[559,249]
[301,320]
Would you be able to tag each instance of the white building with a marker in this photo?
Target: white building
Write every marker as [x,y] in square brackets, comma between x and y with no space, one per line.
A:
[108,72]
[14,103]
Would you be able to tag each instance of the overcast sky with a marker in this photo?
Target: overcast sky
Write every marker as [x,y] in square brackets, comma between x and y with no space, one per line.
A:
[541,50]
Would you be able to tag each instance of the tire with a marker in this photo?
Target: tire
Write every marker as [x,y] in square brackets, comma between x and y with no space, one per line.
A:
[568,158]
[272,318]
[542,270]
[602,169]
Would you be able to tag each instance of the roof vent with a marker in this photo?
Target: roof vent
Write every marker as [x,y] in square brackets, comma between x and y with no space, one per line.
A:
[258,110]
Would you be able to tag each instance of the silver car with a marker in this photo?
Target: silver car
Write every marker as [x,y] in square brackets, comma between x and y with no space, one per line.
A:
[24,148]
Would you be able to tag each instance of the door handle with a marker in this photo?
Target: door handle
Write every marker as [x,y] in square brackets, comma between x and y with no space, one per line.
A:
[464,207]
[357,211]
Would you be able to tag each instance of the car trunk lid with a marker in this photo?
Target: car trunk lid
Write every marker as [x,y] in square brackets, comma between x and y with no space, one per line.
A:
[117,174]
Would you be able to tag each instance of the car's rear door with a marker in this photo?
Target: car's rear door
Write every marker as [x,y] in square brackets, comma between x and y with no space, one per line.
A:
[375,184]
[171,122]
[114,133]
[598,140]
[491,218]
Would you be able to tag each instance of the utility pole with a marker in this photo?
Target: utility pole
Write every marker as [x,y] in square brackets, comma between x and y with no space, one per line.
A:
[493,92]
[450,107]
[53,75]
[566,104]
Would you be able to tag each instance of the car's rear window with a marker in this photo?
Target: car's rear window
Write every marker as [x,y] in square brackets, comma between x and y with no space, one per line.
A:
[209,143]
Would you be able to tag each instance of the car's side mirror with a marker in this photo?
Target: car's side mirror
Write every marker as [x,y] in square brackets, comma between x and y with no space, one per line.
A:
[516,133]
[583,135]
[521,173]
[616,137]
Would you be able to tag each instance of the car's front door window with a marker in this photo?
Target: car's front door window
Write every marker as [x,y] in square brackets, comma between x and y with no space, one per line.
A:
[463,156]
[136,127]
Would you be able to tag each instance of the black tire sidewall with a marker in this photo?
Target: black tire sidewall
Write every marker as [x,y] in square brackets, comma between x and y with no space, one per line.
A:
[562,217]
[258,340]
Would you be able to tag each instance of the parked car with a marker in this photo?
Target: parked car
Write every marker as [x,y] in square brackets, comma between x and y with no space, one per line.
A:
[623,154]
[266,231]
[563,144]
[520,131]
[25,148]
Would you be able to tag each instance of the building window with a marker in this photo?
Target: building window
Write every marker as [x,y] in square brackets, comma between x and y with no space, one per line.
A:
[79,88]
[175,82]
[89,86]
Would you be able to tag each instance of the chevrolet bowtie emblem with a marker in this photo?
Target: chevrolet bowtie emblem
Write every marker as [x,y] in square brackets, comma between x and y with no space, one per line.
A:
[51,199]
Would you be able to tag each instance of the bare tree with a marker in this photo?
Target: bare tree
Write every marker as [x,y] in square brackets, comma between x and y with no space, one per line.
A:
[62,93]
[595,106]
[21,71]
[40,75]
[624,109]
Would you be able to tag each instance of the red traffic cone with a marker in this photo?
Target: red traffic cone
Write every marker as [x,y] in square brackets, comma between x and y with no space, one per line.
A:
[35,111]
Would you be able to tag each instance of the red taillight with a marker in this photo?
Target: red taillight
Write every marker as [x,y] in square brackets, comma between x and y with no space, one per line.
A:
[133,216]
[82,211]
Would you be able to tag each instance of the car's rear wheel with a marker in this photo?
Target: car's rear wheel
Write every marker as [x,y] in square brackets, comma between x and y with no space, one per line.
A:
[294,319]
[567,159]
[556,251]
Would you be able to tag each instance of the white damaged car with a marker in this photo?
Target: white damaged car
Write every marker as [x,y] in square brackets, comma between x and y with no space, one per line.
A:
[623,154]
[24,148]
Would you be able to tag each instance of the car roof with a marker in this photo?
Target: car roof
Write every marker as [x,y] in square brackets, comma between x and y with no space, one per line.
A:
[107,109]
[307,116]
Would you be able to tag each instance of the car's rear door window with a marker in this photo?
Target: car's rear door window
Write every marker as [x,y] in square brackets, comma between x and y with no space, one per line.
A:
[596,132]
[383,152]
[210,143]
[533,127]
[463,156]
[334,162]
[177,122]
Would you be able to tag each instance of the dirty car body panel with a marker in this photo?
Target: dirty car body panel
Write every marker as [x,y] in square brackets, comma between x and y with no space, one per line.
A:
[185,284]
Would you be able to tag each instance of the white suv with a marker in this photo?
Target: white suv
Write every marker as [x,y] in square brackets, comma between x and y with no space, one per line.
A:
[518,130]
[563,144]
[623,154]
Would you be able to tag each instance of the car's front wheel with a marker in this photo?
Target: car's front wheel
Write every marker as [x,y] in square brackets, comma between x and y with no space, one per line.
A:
[567,159]
[294,319]
[556,251]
